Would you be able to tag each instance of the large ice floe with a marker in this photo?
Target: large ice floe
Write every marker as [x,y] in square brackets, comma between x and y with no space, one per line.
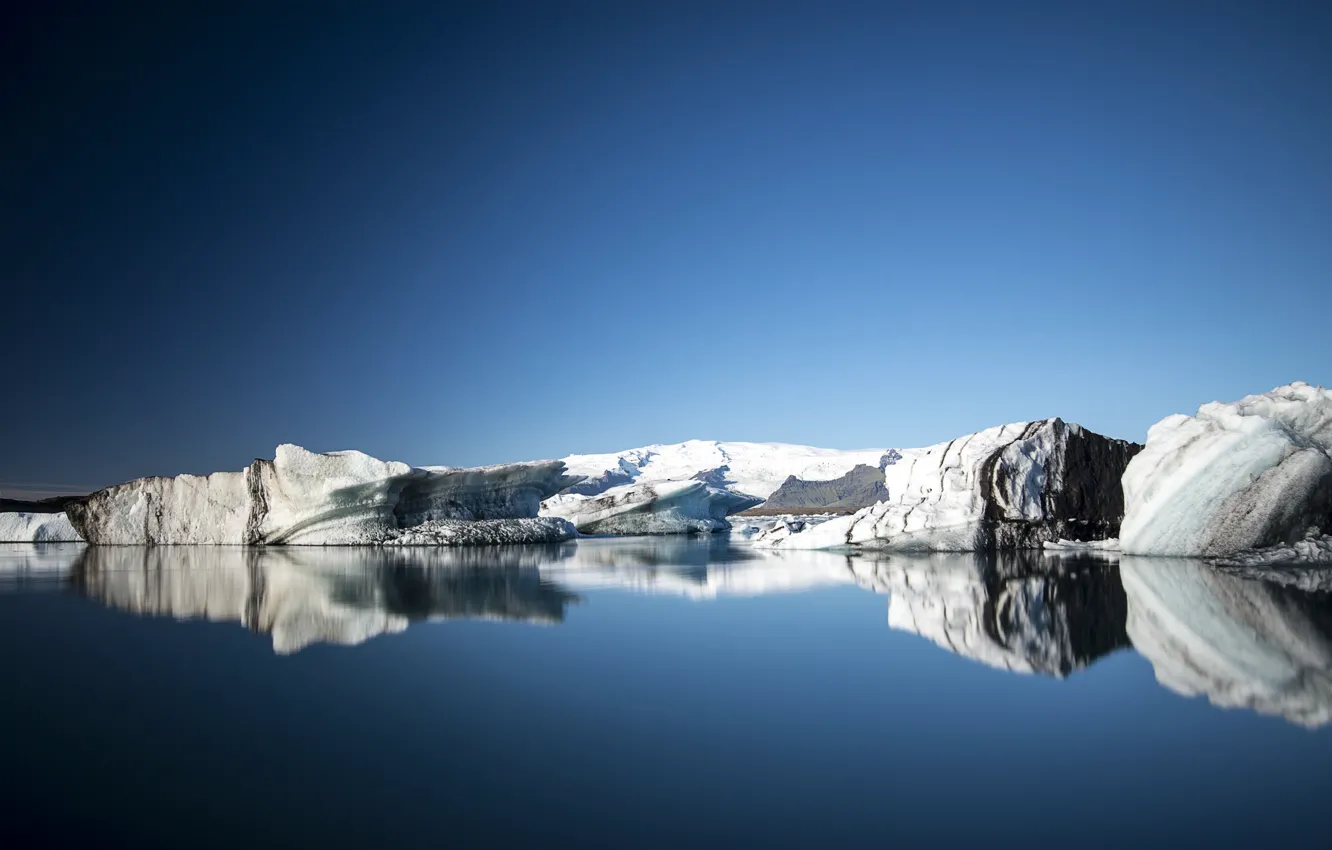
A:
[25,527]
[301,596]
[1010,487]
[1241,476]
[1014,611]
[1239,642]
[661,507]
[751,469]
[340,498]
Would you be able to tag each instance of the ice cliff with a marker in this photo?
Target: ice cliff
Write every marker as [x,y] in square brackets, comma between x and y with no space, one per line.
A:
[1238,476]
[1011,487]
[340,498]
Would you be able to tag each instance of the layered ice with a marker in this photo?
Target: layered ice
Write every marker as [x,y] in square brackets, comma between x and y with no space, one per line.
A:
[23,527]
[1012,611]
[1011,487]
[1241,643]
[341,498]
[664,507]
[1238,476]
[753,469]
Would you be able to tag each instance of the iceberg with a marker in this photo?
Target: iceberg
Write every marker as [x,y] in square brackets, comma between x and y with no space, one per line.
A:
[1241,643]
[340,498]
[1011,611]
[25,527]
[1011,487]
[663,507]
[1244,475]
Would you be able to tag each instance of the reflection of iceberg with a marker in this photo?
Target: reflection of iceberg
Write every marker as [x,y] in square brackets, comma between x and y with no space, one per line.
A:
[25,566]
[698,567]
[1242,643]
[304,596]
[1015,611]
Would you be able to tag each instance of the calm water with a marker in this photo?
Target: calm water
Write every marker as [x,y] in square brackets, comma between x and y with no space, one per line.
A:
[655,693]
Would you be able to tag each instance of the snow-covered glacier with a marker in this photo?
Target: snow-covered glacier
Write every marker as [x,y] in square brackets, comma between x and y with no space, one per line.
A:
[1238,476]
[340,498]
[663,507]
[752,469]
[1010,487]
[1239,642]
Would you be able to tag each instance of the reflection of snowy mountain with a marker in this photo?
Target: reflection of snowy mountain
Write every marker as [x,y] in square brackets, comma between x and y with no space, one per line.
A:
[304,596]
[1241,643]
[1014,611]
[697,567]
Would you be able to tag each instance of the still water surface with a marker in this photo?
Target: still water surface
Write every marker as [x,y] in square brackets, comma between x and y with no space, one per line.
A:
[686,692]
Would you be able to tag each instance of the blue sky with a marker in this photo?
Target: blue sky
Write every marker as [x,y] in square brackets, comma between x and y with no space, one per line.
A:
[481,232]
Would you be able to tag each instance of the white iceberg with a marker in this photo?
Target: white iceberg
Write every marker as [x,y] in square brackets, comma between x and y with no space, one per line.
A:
[1245,475]
[1241,643]
[662,507]
[340,498]
[24,527]
[1011,487]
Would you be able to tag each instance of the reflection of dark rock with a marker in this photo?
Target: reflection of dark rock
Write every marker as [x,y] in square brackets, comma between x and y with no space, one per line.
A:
[1241,643]
[1014,610]
[303,596]
[859,488]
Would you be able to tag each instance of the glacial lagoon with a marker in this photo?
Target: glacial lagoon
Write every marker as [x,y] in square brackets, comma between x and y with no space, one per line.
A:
[656,692]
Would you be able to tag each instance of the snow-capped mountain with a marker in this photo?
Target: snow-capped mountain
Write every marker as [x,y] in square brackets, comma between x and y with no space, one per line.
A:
[754,469]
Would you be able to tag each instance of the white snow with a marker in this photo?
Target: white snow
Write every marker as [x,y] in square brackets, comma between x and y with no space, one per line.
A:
[1243,475]
[37,528]
[755,469]
[663,507]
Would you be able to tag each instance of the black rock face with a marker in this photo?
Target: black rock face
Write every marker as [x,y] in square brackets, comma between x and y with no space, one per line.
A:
[859,488]
[1083,501]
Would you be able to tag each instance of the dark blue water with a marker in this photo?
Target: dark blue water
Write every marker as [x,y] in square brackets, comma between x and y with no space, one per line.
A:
[655,693]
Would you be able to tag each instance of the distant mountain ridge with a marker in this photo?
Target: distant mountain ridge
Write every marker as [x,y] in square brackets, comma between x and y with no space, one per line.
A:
[752,469]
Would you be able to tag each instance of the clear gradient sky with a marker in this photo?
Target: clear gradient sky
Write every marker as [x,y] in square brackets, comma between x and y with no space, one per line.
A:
[470,233]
